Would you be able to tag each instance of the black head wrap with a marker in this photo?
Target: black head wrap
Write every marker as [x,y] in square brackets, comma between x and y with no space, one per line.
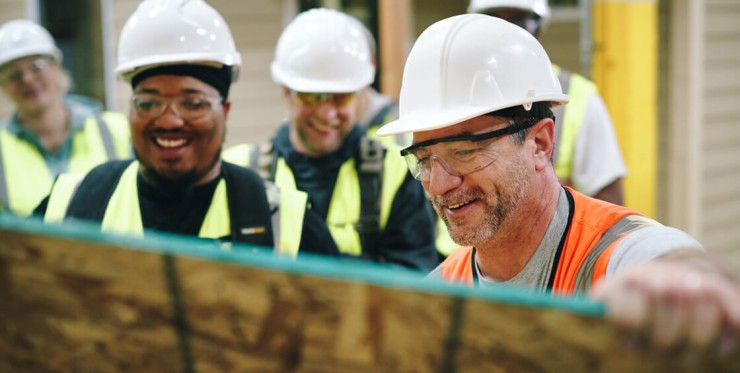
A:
[219,78]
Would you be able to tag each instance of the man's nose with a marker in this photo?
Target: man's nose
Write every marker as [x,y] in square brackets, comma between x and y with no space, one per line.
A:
[169,118]
[440,180]
[327,111]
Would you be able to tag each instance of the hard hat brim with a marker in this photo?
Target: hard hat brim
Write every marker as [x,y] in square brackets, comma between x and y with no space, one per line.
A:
[432,120]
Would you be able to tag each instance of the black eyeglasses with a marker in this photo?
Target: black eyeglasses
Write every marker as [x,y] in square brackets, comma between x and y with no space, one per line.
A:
[461,155]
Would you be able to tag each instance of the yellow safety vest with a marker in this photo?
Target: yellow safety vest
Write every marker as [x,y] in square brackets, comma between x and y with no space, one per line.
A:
[122,214]
[568,124]
[24,177]
[343,216]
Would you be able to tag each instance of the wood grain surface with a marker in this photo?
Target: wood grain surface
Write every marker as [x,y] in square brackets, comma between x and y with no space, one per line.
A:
[74,300]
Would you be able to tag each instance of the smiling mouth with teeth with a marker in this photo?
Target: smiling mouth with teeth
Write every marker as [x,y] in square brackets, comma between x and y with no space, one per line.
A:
[323,127]
[458,205]
[170,143]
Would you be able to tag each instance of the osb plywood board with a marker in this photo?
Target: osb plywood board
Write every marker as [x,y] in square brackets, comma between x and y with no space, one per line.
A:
[77,300]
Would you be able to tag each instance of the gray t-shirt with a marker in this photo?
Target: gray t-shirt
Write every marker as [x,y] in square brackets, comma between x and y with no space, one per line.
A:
[643,244]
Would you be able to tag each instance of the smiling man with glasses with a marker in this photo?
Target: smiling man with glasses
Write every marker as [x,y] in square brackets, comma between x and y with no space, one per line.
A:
[178,112]
[360,187]
[477,95]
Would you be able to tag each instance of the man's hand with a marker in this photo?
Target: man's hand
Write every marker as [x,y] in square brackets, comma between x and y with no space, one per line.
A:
[681,302]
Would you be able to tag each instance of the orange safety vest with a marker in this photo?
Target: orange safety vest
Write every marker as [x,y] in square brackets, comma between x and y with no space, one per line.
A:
[592,233]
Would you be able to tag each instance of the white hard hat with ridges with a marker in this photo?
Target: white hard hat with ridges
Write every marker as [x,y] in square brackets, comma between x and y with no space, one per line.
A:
[470,65]
[324,51]
[22,38]
[168,32]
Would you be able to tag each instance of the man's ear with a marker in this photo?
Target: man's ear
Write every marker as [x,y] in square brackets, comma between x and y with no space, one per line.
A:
[543,134]
[286,94]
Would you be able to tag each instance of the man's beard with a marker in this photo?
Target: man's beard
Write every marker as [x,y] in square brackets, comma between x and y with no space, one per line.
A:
[506,202]
[175,182]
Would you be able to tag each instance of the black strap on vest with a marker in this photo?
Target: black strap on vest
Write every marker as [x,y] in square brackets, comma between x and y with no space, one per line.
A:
[369,163]
[248,206]
[556,260]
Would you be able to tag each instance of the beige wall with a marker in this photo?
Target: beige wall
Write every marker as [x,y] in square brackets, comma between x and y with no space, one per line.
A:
[10,9]
[721,143]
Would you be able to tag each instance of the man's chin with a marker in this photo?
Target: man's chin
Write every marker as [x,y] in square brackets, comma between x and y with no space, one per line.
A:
[169,178]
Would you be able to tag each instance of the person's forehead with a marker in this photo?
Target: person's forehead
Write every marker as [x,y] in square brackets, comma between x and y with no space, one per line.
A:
[473,126]
[22,61]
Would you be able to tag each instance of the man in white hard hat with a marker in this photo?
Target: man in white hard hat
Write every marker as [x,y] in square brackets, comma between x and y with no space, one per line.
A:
[179,107]
[51,131]
[477,94]
[359,186]
[586,154]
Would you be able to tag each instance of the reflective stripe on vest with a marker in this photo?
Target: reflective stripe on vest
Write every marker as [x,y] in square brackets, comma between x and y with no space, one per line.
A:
[289,208]
[61,195]
[290,201]
[568,124]
[596,229]
[21,162]
[344,209]
[122,215]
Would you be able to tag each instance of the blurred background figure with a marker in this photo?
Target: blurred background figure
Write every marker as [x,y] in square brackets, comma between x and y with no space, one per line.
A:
[587,155]
[179,108]
[357,184]
[51,131]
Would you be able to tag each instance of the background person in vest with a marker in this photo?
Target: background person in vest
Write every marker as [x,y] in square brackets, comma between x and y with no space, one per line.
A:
[374,109]
[372,207]
[51,131]
[476,94]
[179,108]
[586,154]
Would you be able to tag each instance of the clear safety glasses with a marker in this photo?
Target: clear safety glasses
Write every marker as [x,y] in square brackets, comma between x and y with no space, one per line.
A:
[190,107]
[16,74]
[459,155]
[316,99]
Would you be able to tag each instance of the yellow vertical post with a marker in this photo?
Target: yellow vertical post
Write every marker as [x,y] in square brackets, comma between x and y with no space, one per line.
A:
[625,68]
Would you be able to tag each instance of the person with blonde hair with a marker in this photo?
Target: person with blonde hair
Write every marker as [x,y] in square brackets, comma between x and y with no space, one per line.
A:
[51,130]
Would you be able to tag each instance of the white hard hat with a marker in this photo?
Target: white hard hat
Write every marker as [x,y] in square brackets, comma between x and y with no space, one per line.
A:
[538,7]
[22,38]
[173,32]
[469,65]
[323,50]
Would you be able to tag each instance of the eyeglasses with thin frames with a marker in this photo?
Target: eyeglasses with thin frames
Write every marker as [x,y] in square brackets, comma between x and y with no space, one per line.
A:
[459,155]
[16,74]
[316,99]
[191,107]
